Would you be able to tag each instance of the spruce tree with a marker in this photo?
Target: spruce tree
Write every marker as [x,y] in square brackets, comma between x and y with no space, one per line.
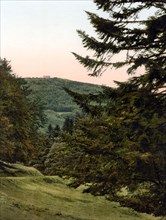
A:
[123,146]
[126,30]
[68,125]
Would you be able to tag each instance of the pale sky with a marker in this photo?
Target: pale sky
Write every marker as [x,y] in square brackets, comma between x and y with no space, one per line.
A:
[39,36]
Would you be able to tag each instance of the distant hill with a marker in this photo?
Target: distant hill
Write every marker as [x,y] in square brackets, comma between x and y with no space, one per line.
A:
[58,104]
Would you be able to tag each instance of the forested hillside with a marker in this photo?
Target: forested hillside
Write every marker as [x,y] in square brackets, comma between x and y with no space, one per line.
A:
[57,102]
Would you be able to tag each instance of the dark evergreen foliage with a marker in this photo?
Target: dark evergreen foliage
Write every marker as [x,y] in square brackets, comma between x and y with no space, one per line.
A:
[20,118]
[143,40]
[120,143]
[68,125]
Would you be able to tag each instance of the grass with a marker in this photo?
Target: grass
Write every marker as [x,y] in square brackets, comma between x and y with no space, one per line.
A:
[7,169]
[49,198]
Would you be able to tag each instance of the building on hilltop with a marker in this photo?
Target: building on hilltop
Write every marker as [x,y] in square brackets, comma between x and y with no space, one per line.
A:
[47,77]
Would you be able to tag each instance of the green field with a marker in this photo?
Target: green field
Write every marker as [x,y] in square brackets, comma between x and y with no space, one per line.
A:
[49,198]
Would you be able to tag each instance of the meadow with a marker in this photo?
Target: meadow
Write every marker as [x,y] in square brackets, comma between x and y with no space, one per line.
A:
[26,194]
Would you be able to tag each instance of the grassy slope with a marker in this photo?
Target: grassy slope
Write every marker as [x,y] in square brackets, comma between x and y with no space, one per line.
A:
[48,198]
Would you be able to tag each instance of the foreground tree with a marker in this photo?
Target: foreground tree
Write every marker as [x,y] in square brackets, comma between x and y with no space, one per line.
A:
[120,144]
[20,118]
[123,147]
[143,40]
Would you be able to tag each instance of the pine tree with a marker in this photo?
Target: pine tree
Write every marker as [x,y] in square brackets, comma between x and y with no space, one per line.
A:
[143,40]
[57,131]
[68,125]
[123,143]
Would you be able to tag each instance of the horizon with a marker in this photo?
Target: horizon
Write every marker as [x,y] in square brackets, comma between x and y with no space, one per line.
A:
[38,40]
[54,77]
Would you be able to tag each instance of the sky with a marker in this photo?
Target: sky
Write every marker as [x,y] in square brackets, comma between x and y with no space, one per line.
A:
[39,36]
